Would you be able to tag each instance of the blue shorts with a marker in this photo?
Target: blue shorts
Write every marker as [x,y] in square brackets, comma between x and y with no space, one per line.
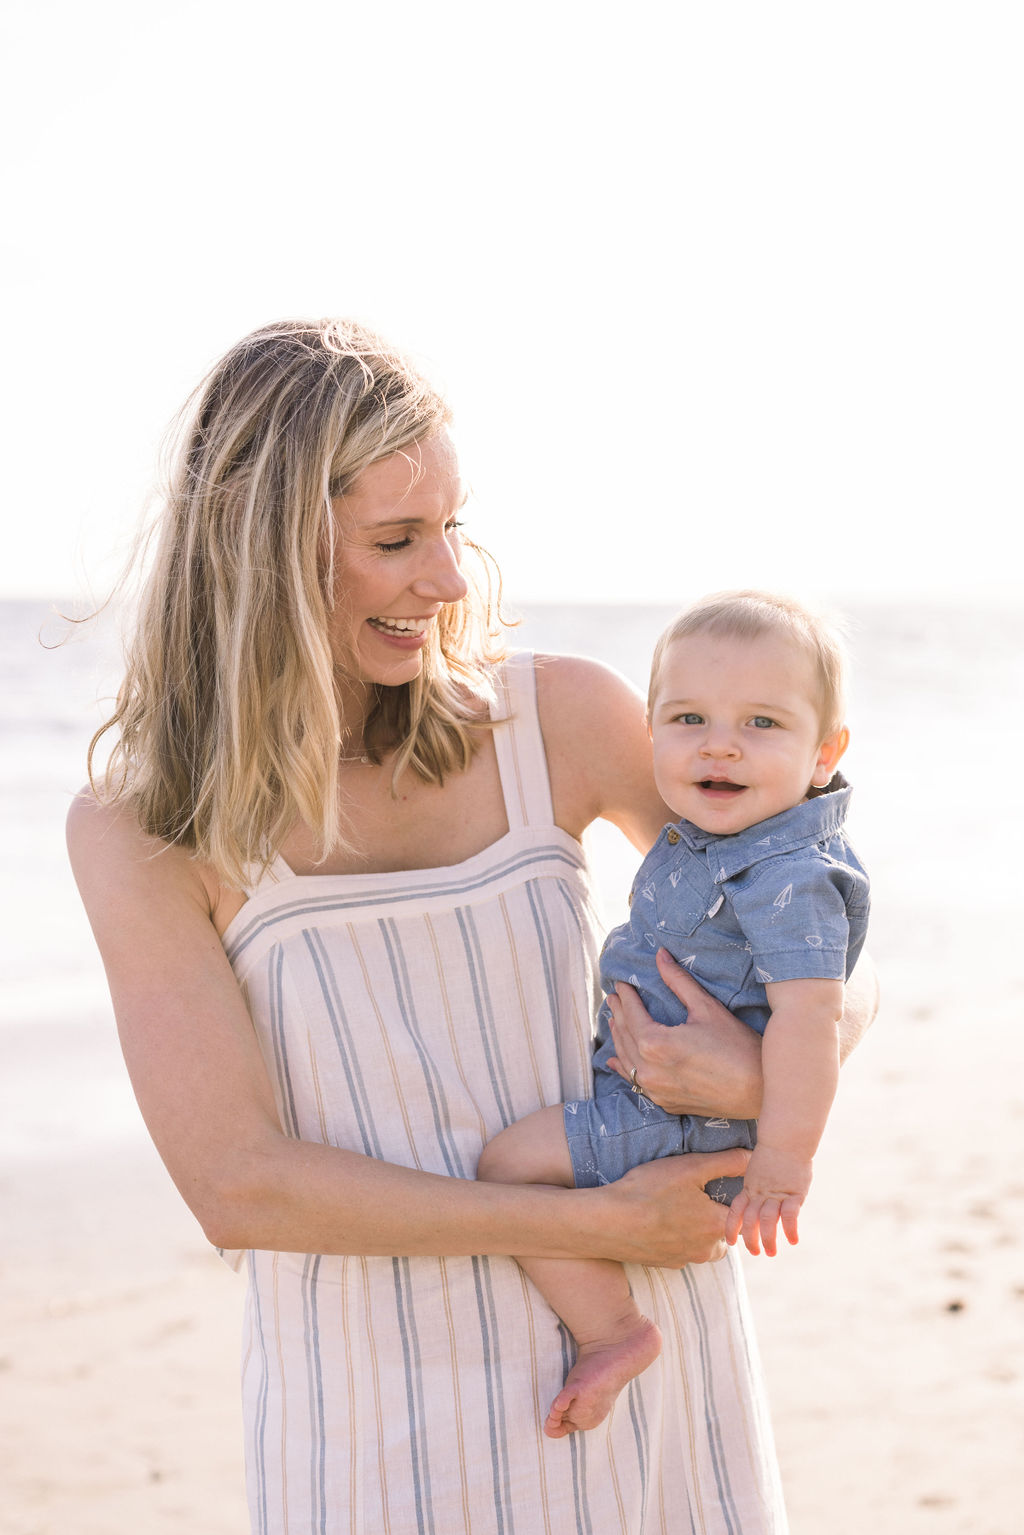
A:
[619,1129]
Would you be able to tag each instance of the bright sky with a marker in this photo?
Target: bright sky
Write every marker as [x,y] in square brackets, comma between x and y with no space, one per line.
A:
[722,293]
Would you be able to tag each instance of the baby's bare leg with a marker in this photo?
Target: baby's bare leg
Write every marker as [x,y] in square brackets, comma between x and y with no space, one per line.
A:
[615,1341]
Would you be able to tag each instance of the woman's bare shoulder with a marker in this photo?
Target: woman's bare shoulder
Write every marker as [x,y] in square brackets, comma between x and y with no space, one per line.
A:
[587,687]
[108,830]
[116,862]
[598,749]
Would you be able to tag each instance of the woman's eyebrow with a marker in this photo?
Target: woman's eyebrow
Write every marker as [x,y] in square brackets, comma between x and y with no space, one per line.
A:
[412,521]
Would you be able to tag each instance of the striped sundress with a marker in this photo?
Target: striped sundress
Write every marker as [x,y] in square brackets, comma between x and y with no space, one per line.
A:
[410,1016]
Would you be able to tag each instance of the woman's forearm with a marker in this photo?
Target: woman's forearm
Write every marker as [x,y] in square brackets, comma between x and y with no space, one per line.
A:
[301,1196]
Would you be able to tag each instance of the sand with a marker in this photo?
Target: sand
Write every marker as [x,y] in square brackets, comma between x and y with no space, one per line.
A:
[891,1337]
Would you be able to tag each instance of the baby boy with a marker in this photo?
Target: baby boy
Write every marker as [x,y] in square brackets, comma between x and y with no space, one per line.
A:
[757,892]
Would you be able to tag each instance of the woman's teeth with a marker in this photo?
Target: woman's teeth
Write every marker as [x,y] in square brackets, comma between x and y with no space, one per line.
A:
[399,625]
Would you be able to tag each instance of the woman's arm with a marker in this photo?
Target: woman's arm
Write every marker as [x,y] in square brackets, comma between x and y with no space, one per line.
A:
[713,1065]
[204,1093]
[598,750]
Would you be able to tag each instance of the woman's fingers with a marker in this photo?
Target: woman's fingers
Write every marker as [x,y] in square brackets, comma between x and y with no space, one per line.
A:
[699,1004]
[629,1016]
[627,1021]
[712,1066]
[670,1219]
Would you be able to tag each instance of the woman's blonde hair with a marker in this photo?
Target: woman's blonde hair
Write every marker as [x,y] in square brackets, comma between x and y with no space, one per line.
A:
[228,721]
[747,615]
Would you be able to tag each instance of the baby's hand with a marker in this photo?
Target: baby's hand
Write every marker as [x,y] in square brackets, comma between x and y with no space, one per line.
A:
[774,1188]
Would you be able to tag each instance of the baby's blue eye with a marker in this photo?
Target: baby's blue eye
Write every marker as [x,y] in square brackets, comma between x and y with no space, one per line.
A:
[691,719]
[762,722]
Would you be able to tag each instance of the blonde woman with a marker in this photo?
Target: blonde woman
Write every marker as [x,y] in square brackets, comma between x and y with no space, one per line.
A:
[334,870]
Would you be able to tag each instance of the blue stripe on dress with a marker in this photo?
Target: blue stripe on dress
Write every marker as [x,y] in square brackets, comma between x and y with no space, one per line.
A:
[342,1032]
[275,969]
[641,1437]
[576,1446]
[727,1503]
[542,924]
[262,1393]
[414,1396]
[315,1391]
[490,1340]
[484,1012]
[737,1314]
[307,903]
[431,1076]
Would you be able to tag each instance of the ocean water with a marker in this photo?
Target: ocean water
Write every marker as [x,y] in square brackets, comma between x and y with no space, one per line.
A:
[937,721]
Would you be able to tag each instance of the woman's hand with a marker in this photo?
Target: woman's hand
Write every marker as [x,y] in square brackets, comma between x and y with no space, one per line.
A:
[710,1066]
[660,1215]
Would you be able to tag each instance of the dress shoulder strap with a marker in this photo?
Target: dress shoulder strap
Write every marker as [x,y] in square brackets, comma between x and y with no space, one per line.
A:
[522,761]
[274,875]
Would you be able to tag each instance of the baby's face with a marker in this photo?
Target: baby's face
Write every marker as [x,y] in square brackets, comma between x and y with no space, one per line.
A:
[736,731]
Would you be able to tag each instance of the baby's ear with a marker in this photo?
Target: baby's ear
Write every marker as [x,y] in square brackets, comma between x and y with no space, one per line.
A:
[829,753]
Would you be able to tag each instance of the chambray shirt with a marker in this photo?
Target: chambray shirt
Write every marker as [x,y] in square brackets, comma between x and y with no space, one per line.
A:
[785,900]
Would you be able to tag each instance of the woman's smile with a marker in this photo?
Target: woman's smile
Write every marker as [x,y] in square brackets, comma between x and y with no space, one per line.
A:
[409,627]
[397,558]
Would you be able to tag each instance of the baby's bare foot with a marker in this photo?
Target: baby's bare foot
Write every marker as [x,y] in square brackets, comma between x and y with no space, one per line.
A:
[601,1370]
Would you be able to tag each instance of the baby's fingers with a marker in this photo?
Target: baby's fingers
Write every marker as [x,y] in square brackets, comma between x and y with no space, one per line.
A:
[790,1213]
[767,1221]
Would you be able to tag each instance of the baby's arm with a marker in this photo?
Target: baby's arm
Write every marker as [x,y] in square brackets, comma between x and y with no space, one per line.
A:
[800,1059]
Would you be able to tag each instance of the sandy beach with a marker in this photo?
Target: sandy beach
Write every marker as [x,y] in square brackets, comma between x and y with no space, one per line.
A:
[892,1337]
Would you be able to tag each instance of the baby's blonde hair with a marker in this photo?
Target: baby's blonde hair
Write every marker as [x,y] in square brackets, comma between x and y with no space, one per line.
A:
[228,720]
[747,615]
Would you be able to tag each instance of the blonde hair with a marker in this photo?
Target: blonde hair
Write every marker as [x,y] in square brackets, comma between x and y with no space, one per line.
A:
[229,720]
[747,615]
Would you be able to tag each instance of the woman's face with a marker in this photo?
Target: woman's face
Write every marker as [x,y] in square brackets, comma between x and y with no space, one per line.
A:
[396,560]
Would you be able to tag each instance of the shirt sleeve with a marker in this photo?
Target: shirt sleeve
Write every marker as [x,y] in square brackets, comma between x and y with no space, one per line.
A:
[794,918]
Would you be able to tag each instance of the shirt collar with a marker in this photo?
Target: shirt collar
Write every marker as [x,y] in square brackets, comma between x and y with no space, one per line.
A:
[813,820]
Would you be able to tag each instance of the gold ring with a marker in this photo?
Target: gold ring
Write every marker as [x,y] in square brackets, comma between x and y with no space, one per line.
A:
[634,1085]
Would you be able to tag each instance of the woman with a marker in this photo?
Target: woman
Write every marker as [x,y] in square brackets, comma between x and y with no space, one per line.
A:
[335,874]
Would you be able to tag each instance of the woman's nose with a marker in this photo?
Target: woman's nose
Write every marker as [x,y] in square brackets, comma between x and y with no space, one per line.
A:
[440,577]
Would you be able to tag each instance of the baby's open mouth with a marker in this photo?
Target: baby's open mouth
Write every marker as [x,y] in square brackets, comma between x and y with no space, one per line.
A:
[721,786]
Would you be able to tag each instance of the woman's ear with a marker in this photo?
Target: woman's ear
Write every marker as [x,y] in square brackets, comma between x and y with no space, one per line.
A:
[829,753]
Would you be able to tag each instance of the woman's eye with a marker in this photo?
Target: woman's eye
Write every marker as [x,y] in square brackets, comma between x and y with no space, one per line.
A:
[402,543]
[762,722]
[454,525]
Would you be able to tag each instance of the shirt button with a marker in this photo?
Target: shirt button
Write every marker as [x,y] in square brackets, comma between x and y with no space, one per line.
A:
[672,836]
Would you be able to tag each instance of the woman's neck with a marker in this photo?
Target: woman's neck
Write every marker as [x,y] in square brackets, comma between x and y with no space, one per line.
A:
[355,700]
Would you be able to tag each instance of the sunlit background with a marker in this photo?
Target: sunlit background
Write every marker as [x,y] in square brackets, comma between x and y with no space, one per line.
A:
[722,293]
